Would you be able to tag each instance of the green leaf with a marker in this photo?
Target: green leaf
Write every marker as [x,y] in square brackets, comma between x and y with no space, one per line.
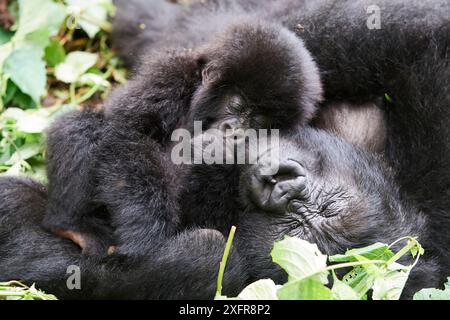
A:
[15,170]
[39,16]
[37,40]
[307,289]
[359,280]
[300,259]
[434,294]
[5,36]
[30,121]
[92,14]
[417,249]
[264,289]
[5,51]
[25,152]
[92,79]
[27,69]
[11,90]
[377,251]
[75,65]
[342,291]
[23,101]
[55,53]
[390,285]
[14,290]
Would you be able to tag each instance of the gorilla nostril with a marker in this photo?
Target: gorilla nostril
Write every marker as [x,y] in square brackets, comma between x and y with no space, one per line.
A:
[290,169]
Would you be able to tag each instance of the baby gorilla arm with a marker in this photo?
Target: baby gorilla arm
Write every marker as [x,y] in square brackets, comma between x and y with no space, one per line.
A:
[72,211]
[138,183]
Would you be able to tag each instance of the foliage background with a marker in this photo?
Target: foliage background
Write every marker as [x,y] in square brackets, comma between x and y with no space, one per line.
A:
[55,56]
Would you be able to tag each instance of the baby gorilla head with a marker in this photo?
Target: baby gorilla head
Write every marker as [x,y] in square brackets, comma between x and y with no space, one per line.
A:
[328,192]
[256,75]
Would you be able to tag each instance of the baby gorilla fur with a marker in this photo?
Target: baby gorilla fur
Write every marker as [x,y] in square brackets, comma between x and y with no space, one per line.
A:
[121,162]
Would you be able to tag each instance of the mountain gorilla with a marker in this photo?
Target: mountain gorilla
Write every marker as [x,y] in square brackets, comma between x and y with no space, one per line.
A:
[117,160]
[112,180]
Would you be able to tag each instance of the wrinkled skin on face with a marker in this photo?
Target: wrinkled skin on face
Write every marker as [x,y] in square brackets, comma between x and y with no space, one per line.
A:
[328,192]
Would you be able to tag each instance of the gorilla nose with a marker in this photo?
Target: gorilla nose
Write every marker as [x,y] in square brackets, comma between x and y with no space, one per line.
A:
[274,192]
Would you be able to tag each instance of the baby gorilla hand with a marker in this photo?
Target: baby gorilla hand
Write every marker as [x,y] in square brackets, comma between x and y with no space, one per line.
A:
[274,192]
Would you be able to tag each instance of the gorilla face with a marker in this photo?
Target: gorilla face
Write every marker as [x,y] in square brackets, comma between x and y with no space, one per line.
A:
[255,75]
[328,192]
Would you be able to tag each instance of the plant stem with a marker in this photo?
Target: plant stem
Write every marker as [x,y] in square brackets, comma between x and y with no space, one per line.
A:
[94,89]
[72,93]
[223,263]
[403,251]
[351,264]
[104,25]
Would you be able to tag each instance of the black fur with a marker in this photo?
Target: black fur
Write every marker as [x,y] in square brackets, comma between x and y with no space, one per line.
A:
[31,254]
[140,188]
[334,194]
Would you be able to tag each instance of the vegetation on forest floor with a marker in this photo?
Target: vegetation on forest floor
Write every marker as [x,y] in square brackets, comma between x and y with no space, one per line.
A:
[373,272]
[54,57]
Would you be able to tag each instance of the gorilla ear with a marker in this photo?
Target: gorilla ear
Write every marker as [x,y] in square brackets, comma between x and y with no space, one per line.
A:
[361,125]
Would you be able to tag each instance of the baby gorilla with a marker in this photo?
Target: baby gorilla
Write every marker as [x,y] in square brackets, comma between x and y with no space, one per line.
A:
[111,179]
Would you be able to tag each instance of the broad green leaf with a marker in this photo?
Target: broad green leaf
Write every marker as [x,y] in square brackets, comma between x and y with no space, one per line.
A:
[91,13]
[434,294]
[359,280]
[54,53]
[390,285]
[36,40]
[27,69]
[5,51]
[39,16]
[307,289]
[23,100]
[25,152]
[75,65]
[342,291]
[30,121]
[15,170]
[377,251]
[264,289]
[92,79]
[300,259]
